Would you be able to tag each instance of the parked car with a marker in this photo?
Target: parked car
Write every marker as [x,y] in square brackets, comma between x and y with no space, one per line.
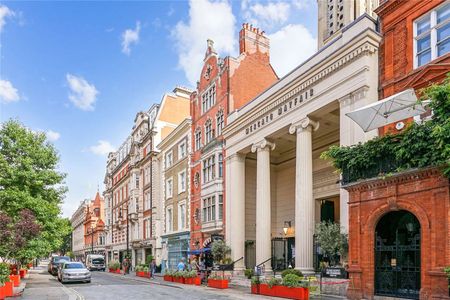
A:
[55,261]
[95,262]
[73,271]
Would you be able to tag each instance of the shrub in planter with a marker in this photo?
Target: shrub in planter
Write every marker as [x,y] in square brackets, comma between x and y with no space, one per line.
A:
[291,271]
[447,271]
[4,278]
[168,275]
[249,273]
[178,276]
[189,276]
[113,266]
[145,272]
[255,285]
[218,282]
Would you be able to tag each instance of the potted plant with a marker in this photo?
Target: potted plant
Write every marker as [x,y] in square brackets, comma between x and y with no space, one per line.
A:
[269,288]
[334,245]
[139,271]
[293,288]
[145,272]
[255,285]
[168,275]
[249,273]
[6,289]
[218,281]
[114,266]
[178,276]
[189,276]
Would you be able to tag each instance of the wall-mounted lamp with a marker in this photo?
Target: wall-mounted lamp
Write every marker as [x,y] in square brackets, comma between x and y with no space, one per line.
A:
[287,225]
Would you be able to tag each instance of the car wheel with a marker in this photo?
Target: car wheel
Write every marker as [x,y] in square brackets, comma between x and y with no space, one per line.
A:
[88,281]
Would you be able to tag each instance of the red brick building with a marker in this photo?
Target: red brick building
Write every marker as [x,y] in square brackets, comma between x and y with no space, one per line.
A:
[399,233]
[94,227]
[225,85]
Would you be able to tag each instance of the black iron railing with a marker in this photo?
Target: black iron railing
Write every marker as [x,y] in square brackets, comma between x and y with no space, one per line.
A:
[375,168]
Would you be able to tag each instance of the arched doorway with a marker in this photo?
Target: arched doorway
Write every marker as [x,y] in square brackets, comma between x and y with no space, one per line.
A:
[397,255]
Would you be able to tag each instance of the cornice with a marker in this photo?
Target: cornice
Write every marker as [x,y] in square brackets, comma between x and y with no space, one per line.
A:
[294,93]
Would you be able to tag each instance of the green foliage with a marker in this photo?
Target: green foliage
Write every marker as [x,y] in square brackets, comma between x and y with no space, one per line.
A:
[291,280]
[418,146]
[255,280]
[291,271]
[114,265]
[4,273]
[139,268]
[169,272]
[274,281]
[332,240]
[219,251]
[447,271]
[190,274]
[29,180]
[249,273]
[145,269]
[178,274]
[149,259]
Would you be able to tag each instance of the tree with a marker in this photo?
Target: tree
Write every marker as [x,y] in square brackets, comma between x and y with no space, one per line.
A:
[31,192]
[66,245]
[219,250]
[332,240]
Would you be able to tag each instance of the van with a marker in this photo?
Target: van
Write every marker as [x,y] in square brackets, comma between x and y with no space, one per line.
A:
[95,262]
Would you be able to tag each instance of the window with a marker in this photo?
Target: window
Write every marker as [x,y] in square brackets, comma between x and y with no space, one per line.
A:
[147,228]
[181,182]
[432,35]
[220,216]
[208,169]
[182,152]
[169,188]
[209,209]
[219,122]
[198,139]
[169,220]
[136,178]
[181,216]
[209,133]
[209,98]
[147,201]
[220,159]
[147,175]
[169,160]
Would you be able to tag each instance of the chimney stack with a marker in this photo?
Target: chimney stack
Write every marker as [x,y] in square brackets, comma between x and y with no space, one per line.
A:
[252,40]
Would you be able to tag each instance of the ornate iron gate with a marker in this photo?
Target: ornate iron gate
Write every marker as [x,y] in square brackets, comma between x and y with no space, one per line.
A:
[397,263]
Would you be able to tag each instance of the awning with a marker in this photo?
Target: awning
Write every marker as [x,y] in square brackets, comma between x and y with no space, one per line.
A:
[199,251]
[392,109]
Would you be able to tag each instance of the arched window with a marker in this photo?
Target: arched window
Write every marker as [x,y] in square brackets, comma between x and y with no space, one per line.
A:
[198,139]
[219,122]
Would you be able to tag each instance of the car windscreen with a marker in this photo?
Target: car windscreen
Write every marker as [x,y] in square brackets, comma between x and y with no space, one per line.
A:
[74,266]
[98,261]
[61,259]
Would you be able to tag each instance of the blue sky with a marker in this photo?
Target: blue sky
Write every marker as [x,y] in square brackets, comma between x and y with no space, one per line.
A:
[81,70]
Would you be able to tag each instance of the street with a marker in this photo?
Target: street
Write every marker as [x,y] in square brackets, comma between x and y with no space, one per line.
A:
[41,285]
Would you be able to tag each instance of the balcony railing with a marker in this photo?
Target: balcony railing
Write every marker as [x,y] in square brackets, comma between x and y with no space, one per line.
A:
[375,168]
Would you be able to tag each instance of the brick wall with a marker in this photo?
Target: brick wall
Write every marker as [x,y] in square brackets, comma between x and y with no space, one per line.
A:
[424,193]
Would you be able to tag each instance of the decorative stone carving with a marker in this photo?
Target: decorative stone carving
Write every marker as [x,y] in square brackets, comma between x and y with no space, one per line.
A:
[305,123]
[263,145]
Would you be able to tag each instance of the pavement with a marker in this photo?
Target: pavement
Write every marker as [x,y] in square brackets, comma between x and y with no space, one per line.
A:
[40,285]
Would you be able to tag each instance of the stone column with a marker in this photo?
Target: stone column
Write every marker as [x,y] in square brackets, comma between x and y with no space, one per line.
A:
[235,192]
[304,200]
[263,209]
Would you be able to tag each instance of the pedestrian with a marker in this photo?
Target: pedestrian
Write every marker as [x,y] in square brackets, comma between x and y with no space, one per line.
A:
[125,266]
[152,269]
[181,266]
[194,264]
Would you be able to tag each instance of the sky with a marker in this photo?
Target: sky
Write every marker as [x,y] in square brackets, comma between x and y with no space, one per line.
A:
[80,70]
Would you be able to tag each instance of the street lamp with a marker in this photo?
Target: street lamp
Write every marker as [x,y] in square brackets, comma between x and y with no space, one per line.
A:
[121,218]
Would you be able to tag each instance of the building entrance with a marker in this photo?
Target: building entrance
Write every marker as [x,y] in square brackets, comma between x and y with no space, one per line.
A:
[397,255]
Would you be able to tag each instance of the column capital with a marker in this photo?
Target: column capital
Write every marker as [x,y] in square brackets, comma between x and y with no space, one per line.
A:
[264,144]
[304,124]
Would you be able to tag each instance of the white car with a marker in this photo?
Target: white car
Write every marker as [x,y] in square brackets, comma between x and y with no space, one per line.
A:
[95,262]
[73,271]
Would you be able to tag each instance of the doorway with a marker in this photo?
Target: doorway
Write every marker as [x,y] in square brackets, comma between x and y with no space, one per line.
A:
[397,255]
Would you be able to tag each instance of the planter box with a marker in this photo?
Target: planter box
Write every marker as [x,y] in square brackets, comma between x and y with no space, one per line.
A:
[298,293]
[218,283]
[146,274]
[22,273]
[168,278]
[178,279]
[15,279]
[114,271]
[197,280]
[139,273]
[2,292]
[189,280]
[8,289]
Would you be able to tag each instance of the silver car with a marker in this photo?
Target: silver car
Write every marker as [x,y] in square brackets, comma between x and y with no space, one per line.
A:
[73,271]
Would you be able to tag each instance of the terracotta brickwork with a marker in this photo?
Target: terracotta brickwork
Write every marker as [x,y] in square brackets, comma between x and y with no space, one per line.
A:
[397,72]
[424,193]
[237,81]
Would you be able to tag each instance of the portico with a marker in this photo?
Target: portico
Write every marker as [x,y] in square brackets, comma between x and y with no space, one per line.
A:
[273,152]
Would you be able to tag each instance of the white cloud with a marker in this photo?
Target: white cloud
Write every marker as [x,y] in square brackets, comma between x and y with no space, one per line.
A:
[207,20]
[267,15]
[8,93]
[102,148]
[82,93]
[5,12]
[130,37]
[52,135]
[290,46]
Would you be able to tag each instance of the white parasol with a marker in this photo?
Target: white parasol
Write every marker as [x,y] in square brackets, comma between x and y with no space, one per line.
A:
[392,109]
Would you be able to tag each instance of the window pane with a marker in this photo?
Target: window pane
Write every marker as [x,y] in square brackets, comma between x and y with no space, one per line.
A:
[443,13]
[423,43]
[444,47]
[423,25]
[443,32]
[424,58]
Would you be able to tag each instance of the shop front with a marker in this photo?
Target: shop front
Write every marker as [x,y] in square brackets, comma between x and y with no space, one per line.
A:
[177,248]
